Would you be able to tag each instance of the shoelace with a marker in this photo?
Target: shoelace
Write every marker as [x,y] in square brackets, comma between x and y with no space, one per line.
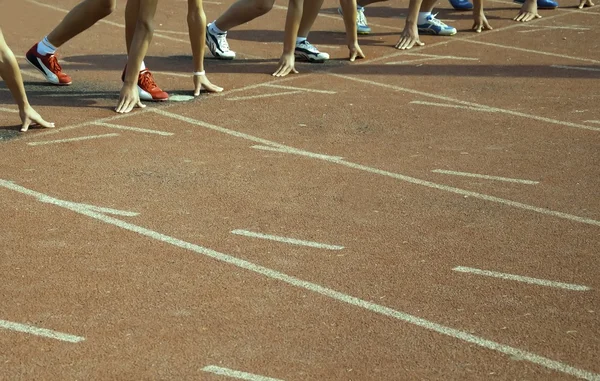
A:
[222,38]
[147,81]
[308,46]
[437,22]
[54,65]
[361,18]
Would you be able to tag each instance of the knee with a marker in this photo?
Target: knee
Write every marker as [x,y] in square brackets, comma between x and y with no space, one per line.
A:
[264,6]
[107,7]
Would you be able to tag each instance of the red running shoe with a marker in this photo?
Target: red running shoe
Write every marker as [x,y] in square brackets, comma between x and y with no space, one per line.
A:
[147,87]
[48,65]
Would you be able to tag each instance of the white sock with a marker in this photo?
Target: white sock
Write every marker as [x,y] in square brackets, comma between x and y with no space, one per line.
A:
[360,9]
[45,47]
[423,17]
[300,39]
[215,29]
[142,66]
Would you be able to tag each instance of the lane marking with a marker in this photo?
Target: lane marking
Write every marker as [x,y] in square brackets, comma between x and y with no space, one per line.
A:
[377,171]
[519,278]
[262,96]
[291,241]
[487,177]
[293,151]
[237,374]
[574,68]
[136,129]
[425,103]
[32,74]
[299,88]
[313,287]
[529,50]
[472,104]
[593,121]
[430,57]
[32,330]
[40,143]
[9,110]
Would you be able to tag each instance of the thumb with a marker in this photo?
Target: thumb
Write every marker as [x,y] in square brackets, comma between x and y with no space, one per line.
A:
[352,56]
[140,104]
[25,125]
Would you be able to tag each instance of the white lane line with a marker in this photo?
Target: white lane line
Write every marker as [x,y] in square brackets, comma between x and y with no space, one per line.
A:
[297,152]
[236,374]
[533,51]
[71,139]
[313,287]
[487,177]
[425,103]
[136,129]
[9,110]
[101,209]
[32,74]
[431,57]
[525,279]
[25,328]
[262,96]
[291,241]
[575,68]
[299,88]
[593,121]
[377,171]
[465,103]
[441,56]
[568,27]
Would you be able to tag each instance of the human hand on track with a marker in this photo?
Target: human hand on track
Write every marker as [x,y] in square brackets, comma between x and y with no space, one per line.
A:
[202,82]
[528,12]
[409,37]
[585,3]
[355,51]
[30,117]
[128,99]
[480,23]
[286,66]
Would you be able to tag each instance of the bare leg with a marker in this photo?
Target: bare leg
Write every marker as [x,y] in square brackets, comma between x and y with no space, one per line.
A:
[309,15]
[132,10]
[80,18]
[364,3]
[243,11]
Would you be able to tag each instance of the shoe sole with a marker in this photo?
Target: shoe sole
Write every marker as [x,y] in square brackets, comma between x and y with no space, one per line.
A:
[44,74]
[433,33]
[309,59]
[363,33]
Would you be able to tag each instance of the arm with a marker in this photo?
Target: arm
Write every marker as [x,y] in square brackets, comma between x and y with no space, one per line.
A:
[349,13]
[410,34]
[144,29]
[196,20]
[479,20]
[292,23]
[9,71]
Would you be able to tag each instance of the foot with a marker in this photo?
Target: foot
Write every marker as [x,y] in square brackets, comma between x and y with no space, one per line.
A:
[542,4]
[435,26]
[48,65]
[148,90]
[362,27]
[217,44]
[461,5]
[305,50]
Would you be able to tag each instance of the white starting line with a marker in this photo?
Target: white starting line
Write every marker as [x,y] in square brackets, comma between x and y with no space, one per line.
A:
[30,329]
[237,374]
[519,278]
[40,143]
[487,177]
[291,241]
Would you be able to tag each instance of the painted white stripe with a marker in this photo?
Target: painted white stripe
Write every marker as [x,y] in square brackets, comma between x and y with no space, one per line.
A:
[465,103]
[313,287]
[299,88]
[9,110]
[519,278]
[568,27]
[482,109]
[30,329]
[136,129]
[101,209]
[33,74]
[487,177]
[397,176]
[237,374]
[405,62]
[575,68]
[593,121]
[291,241]
[262,96]
[431,57]
[409,53]
[541,52]
[72,139]
[298,152]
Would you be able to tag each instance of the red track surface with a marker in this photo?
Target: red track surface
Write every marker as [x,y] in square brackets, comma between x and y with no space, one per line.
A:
[351,158]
